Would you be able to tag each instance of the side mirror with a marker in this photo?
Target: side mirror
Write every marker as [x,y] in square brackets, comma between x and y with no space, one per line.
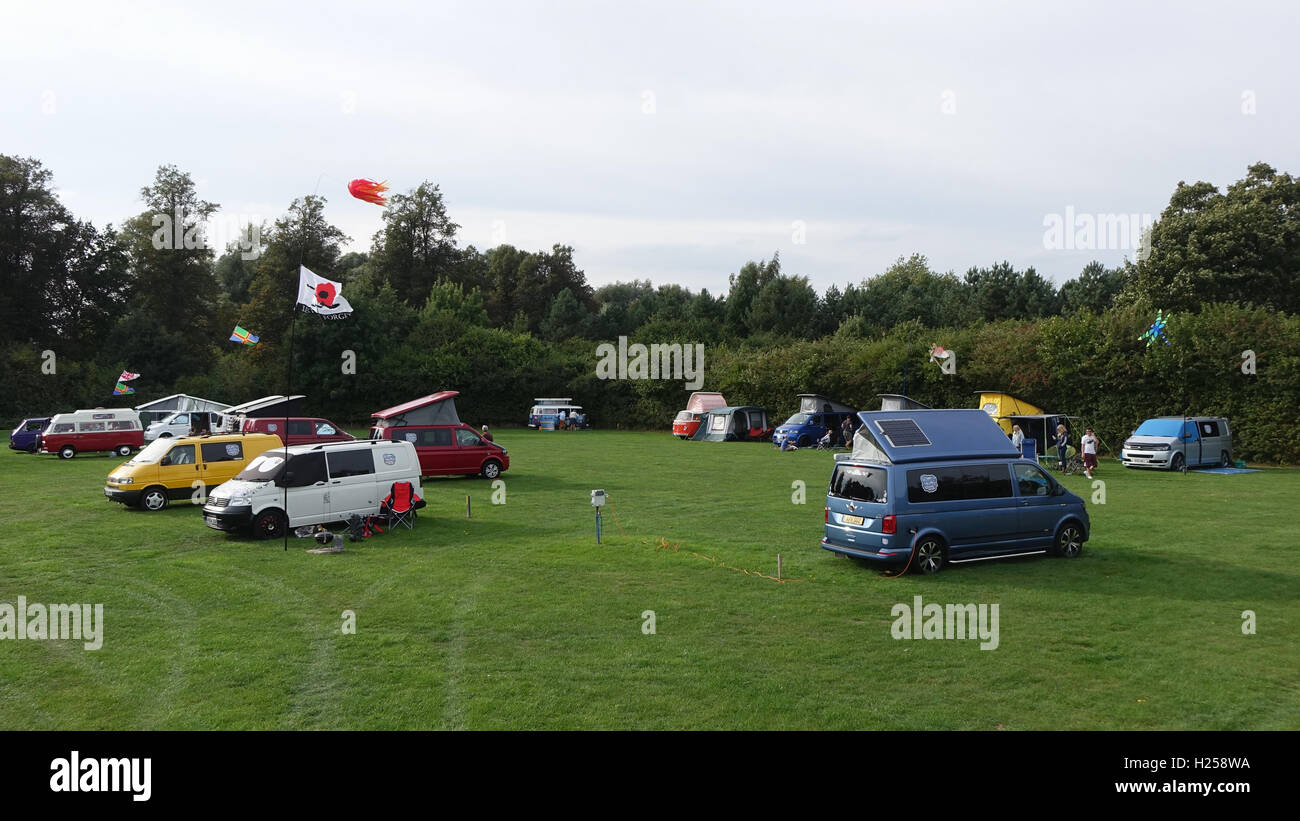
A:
[1058,490]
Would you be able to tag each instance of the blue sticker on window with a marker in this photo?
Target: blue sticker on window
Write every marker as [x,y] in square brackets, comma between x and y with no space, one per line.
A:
[390,458]
[929,482]
[232,449]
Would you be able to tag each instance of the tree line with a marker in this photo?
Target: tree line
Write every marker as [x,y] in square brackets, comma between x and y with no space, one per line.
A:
[506,324]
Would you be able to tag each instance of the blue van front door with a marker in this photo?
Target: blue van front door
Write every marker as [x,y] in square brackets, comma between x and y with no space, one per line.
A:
[1039,510]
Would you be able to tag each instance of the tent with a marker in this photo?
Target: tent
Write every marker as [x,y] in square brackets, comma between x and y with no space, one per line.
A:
[898,402]
[434,409]
[733,424]
[1002,406]
[1041,427]
[917,435]
[158,409]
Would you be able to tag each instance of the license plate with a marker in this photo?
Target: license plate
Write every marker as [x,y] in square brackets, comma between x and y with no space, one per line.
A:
[851,520]
[212,520]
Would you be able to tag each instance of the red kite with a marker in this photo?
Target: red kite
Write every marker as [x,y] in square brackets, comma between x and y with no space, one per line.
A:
[369,190]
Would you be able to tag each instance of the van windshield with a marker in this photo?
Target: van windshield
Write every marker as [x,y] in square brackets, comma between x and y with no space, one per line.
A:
[151,454]
[1159,427]
[799,419]
[265,468]
[860,484]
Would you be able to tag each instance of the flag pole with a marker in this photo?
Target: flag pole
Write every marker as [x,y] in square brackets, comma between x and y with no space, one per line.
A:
[288,394]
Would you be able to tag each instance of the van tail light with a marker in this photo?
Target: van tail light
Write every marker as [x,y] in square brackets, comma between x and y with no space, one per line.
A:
[828,515]
[889,524]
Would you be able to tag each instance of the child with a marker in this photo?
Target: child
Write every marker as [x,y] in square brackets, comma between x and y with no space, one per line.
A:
[1062,442]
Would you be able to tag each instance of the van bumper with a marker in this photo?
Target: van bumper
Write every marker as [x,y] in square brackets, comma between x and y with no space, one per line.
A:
[884,555]
[1147,458]
[130,498]
[227,519]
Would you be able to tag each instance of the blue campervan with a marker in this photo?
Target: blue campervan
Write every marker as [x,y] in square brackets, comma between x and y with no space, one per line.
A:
[816,416]
[922,488]
[27,436]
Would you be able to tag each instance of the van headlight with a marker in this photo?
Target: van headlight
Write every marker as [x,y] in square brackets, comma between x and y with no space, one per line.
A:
[122,480]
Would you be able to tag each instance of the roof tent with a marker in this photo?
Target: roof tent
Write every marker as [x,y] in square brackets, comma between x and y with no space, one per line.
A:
[1000,406]
[895,437]
[159,409]
[553,401]
[267,406]
[731,424]
[702,401]
[434,409]
[898,402]
[816,403]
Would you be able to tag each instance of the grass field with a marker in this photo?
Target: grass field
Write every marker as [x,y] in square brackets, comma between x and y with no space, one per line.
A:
[516,618]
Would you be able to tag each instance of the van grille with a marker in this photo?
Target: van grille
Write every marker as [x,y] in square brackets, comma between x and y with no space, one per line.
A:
[219,501]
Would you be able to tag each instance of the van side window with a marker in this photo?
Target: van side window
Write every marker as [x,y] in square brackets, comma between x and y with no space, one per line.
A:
[435,437]
[1031,481]
[300,427]
[325,429]
[222,451]
[958,483]
[307,470]
[1209,428]
[467,438]
[92,427]
[860,484]
[179,455]
[121,425]
[64,427]
[33,426]
[344,463]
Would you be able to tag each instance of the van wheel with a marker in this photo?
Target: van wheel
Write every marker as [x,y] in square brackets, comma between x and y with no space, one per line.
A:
[123,450]
[804,441]
[67,452]
[931,555]
[1225,460]
[1069,541]
[269,524]
[164,436]
[154,498]
[491,469]
[1177,463]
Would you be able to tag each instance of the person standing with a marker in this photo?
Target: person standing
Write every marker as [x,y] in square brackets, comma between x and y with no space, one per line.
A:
[486,434]
[1089,446]
[1062,442]
[1018,439]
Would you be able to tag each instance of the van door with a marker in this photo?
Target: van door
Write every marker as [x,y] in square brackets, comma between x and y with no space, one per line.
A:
[178,468]
[352,482]
[470,451]
[1191,442]
[308,490]
[436,451]
[1039,509]
[972,504]
[1214,443]
[221,461]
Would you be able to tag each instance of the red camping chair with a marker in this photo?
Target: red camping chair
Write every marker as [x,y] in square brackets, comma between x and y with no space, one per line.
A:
[400,505]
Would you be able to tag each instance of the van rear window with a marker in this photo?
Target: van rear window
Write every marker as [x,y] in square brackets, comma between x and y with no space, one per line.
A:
[860,484]
[350,463]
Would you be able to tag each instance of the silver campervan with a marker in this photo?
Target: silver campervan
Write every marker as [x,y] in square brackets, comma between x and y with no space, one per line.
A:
[1179,442]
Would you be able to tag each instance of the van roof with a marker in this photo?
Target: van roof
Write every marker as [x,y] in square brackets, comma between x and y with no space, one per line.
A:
[360,443]
[918,435]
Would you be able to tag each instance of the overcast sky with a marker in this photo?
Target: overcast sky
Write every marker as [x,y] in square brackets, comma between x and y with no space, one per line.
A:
[669,141]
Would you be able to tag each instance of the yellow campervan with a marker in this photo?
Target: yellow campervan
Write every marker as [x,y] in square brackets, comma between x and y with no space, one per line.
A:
[1002,406]
[187,467]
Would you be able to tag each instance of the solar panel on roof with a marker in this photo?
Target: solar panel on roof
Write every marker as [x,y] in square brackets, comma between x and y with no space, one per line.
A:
[902,432]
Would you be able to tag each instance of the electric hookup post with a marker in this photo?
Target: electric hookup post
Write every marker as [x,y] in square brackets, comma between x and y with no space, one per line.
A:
[598,501]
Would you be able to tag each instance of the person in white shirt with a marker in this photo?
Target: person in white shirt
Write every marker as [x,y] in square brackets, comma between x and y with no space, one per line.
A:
[1089,445]
[1018,439]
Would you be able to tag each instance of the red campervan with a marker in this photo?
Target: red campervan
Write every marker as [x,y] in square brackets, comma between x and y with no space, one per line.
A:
[445,445]
[302,431]
[700,403]
[115,429]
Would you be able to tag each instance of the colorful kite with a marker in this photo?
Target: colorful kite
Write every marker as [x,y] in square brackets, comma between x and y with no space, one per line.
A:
[243,336]
[938,354]
[369,190]
[127,376]
[122,390]
[1156,331]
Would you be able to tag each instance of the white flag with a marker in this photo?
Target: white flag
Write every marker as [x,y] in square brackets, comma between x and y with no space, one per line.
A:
[318,295]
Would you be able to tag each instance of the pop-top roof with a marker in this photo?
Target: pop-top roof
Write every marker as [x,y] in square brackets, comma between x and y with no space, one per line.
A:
[563,400]
[182,402]
[255,407]
[701,401]
[923,435]
[898,402]
[406,408]
[816,403]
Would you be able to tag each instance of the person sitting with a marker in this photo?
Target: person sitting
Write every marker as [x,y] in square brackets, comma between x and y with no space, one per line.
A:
[827,440]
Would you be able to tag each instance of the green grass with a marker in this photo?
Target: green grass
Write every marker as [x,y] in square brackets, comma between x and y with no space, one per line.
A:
[516,618]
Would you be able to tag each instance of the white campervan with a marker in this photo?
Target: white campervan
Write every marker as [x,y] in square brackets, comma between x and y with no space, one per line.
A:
[311,484]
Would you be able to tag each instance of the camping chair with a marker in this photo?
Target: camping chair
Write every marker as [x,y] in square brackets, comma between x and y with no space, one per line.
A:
[400,505]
